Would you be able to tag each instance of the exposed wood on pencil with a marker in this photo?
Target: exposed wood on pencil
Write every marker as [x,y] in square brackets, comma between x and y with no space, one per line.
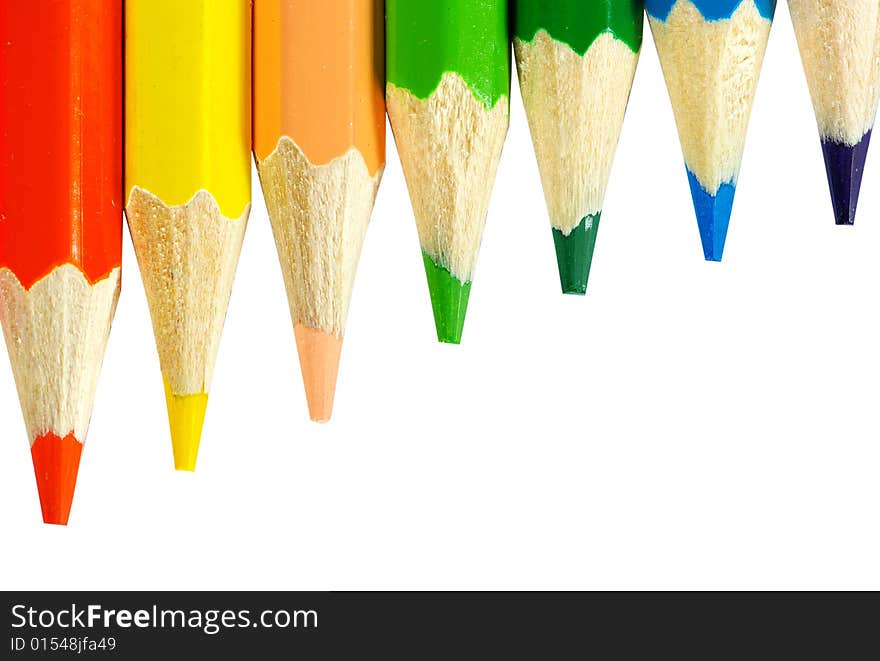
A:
[320,215]
[450,146]
[56,333]
[188,281]
[576,108]
[711,69]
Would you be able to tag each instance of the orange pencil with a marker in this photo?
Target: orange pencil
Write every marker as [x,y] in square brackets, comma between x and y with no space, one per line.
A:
[319,140]
[60,220]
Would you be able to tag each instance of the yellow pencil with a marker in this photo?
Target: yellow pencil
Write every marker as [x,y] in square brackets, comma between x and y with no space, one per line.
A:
[187,184]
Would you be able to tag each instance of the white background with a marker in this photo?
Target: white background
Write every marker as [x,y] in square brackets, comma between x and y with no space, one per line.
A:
[686,425]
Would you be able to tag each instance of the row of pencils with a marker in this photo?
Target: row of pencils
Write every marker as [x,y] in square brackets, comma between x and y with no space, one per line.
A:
[305,86]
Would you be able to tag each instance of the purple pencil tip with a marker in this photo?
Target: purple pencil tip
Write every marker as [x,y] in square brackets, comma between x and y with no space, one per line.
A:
[844,165]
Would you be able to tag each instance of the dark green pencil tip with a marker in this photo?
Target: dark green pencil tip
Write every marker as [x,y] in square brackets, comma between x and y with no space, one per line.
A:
[449,299]
[574,254]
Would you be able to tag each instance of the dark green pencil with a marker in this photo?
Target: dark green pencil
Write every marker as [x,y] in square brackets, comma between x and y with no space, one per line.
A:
[576,62]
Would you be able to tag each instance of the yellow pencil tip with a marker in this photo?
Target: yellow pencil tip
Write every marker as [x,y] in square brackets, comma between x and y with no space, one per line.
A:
[186,414]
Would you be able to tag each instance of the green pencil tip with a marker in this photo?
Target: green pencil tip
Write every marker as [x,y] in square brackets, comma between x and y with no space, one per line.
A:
[574,254]
[449,299]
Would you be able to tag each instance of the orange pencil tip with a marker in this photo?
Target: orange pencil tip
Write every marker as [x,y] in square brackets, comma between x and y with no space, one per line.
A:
[56,463]
[319,361]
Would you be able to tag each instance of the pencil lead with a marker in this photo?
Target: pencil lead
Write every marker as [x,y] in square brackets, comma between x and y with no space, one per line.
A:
[56,464]
[844,165]
[319,354]
[186,415]
[574,254]
[449,300]
[713,216]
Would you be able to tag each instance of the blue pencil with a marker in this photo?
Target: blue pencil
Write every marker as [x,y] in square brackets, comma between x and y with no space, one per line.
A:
[711,52]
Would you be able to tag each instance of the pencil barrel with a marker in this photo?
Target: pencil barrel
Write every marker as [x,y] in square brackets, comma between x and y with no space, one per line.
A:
[319,141]
[576,63]
[447,93]
[188,144]
[60,220]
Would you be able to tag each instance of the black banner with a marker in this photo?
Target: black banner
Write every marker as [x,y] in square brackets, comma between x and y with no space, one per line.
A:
[415,625]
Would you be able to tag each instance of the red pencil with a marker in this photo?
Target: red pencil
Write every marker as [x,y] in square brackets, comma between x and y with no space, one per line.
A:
[60,220]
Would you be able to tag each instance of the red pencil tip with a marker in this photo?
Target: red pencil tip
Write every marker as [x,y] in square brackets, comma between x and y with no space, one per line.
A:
[56,463]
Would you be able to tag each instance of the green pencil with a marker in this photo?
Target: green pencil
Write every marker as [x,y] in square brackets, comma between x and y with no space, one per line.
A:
[576,63]
[448,73]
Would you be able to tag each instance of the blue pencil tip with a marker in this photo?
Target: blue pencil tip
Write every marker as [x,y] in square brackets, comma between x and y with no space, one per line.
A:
[713,215]
[844,165]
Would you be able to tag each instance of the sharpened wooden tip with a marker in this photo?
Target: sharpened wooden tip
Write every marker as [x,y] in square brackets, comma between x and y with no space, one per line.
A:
[56,464]
[319,354]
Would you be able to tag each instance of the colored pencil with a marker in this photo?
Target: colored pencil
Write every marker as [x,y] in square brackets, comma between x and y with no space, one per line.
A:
[576,62]
[319,141]
[711,52]
[448,90]
[840,49]
[187,184]
[60,220]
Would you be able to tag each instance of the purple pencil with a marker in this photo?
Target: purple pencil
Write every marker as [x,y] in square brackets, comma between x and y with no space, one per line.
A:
[840,49]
